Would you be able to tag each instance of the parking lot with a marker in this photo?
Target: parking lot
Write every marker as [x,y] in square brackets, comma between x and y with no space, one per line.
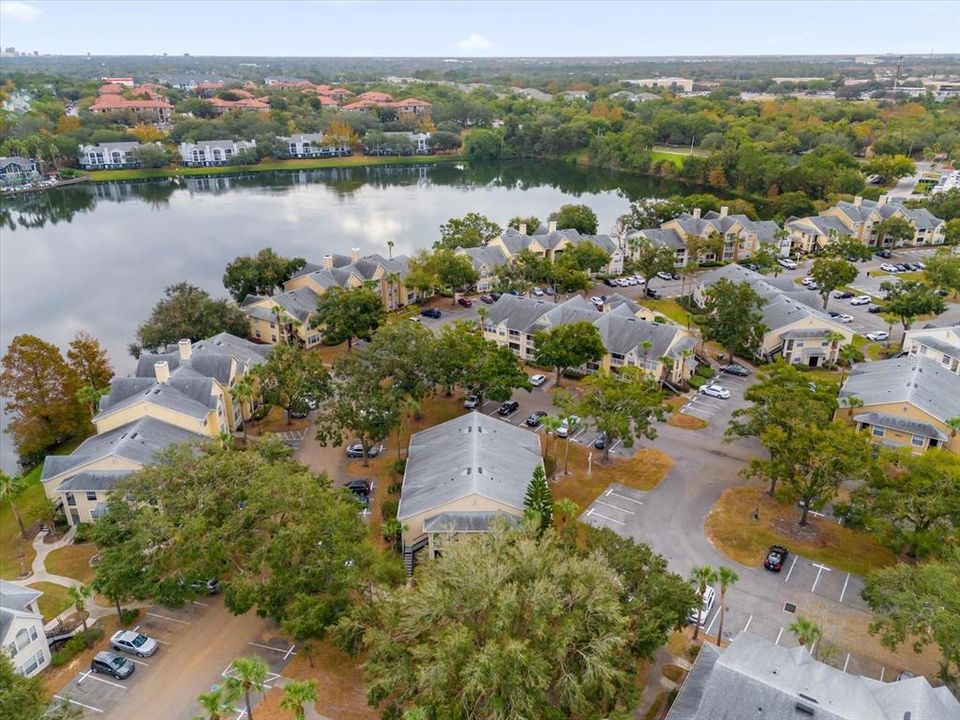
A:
[198,642]
[616,506]
[718,411]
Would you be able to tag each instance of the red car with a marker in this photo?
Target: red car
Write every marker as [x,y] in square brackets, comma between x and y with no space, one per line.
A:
[466,302]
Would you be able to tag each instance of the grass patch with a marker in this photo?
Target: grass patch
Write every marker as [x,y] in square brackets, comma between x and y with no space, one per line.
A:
[643,471]
[671,309]
[266,166]
[877,351]
[72,561]
[673,672]
[731,529]
[687,422]
[657,707]
[30,503]
[661,155]
[53,601]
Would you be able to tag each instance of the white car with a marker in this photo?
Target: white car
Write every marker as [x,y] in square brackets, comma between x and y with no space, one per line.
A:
[623,282]
[698,616]
[887,267]
[133,642]
[861,300]
[788,263]
[878,335]
[571,422]
[717,391]
[844,318]
[538,292]
[808,281]
[538,380]
[632,281]
[596,300]
[664,275]
[923,266]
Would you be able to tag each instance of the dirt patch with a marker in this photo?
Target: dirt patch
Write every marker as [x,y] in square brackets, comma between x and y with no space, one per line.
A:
[732,530]
[673,672]
[643,471]
[339,678]
[687,422]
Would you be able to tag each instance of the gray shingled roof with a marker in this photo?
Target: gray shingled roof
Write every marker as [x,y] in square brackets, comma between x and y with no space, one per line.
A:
[906,425]
[915,379]
[937,344]
[192,396]
[623,334]
[13,604]
[520,313]
[470,455]
[94,480]
[138,442]
[490,256]
[821,225]
[667,237]
[755,678]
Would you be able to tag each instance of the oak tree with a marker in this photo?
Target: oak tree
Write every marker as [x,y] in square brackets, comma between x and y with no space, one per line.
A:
[733,317]
[568,346]
[261,274]
[345,314]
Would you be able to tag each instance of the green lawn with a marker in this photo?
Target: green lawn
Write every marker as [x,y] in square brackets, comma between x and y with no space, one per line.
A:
[53,601]
[266,166]
[675,158]
[671,308]
[29,503]
[72,561]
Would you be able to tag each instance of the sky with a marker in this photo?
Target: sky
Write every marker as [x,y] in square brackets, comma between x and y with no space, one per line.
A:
[492,28]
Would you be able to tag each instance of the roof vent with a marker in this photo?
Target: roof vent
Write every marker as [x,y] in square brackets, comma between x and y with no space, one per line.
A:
[807,697]
[133,435]
[479,471]
[805,709]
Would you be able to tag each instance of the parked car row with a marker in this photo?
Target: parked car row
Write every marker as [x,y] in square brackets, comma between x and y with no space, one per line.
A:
[902,267]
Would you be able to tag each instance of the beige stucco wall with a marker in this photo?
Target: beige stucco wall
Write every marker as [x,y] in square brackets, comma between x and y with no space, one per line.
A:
[470,503]
[210,425]
[51,486]
[908,411]
[772,339]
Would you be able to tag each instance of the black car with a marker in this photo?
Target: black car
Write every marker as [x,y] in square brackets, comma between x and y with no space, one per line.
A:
[496,296]
[609,282]
[487,299]
[600,441]
[359,487]
[734,369]
[509,407]
[776,556]
[901,267]
[751,266]
[535,417]
[654,294]
[431,313]
[884,253]
[109,663]
[843,294]
[834,313]
[875,309]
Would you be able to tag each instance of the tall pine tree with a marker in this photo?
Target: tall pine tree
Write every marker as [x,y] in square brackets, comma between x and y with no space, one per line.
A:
[538,499]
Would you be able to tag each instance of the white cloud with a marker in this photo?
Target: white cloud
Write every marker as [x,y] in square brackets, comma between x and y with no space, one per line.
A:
[475,42]
[18,11]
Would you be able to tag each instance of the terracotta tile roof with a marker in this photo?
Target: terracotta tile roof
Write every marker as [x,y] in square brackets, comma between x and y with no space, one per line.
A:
[409,102]
[361,105]
[111,89]
[374,96]
[115,102]
[244,104]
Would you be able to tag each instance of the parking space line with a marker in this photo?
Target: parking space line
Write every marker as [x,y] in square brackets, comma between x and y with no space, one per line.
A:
[710,626]
[777,641]
[164,617]
[582,431]
[623,497]
[591,512]
[138,662]
[844,591]
[162,642]
[821,568]
[202,604]
[747,626]
[100,679]
[882,668]
[791,569]
[74,702]
[846,662]
[269,647]
[615,507]
[614,446]
[290,651]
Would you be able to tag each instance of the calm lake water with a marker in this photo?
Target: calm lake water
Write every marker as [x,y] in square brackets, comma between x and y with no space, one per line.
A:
[97,257]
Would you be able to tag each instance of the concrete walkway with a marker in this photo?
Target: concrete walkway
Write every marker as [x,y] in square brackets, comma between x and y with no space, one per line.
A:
[39,574]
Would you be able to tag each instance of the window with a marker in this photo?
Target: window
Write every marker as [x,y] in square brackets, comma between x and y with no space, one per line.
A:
[917,441]
[877,431]
[12,650]
[33,633]
[945,359]
[23,638]
[71,500]
[91,496]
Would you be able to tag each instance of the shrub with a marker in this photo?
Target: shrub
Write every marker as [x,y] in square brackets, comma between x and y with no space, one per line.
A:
[74,646]
[394,488]
[573,374]
[705,371]
[696,381]
[399,467]
[260,413]
[659,319]
[128,615]
[692,651]
[389,509]
[83,534]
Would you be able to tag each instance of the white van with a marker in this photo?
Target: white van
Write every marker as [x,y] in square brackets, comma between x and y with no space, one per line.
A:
[698,616]
[788,263]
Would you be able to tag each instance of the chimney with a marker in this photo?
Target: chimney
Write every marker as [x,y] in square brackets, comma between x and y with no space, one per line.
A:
[882,200]
[523,228]
[354,254]
[724,210]
[162,371]
[553,226]
[186,348]
[696,213]
[858,201]
[328,262]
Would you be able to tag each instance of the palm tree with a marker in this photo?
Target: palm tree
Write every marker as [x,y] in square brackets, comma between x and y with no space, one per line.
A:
[482,314]
[954,424]
[10,486]
[250,673]
[218,703]
[645,346]
[726,577]
[242,393]
[834,338]
[390,249]
[297,693]
[552,423]
[78,595]
[806,631]
[701,577]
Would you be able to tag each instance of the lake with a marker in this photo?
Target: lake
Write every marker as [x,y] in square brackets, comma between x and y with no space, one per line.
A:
[97,257]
